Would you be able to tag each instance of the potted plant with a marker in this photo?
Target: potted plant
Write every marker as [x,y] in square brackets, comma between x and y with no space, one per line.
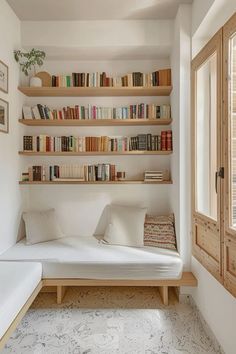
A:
[29,61]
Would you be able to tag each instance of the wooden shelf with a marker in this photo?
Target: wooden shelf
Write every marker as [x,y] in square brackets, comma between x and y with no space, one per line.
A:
[94,122]
[95,91]
[94,153]
[97,182]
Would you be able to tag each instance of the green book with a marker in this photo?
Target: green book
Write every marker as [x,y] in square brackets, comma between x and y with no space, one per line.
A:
[68,80]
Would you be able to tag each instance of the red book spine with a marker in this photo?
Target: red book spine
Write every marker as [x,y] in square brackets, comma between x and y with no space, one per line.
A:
[47,143]
[76,112]
[169,140]
[163,141]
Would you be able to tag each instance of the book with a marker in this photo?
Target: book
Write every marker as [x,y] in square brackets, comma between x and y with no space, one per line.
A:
[27,112]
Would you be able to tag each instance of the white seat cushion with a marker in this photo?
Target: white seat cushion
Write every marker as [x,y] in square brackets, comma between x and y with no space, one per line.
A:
[85,257]
[18,280]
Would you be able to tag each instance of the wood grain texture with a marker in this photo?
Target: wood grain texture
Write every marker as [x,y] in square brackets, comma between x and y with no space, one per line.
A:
[94,122]
[229,232]
[95,91]
[95,153]
[96,182]
[187,279]
[206,232]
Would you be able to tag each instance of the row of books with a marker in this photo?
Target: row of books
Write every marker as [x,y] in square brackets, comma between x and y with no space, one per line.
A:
[45,143]
[99,172]
[142,110]
[88,173]
[97,79]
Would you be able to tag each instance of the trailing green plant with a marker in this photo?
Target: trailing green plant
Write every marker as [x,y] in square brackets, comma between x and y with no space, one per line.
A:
[29,60]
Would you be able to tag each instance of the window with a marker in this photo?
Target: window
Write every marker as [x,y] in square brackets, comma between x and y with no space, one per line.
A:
[206,138]
[214,155]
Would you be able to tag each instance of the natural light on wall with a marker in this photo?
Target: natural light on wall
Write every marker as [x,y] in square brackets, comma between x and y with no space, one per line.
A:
[206,135]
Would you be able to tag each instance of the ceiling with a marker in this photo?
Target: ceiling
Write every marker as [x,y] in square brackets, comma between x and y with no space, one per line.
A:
[69,10]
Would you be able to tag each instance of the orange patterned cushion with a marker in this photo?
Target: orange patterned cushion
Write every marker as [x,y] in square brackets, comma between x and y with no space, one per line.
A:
[159,231]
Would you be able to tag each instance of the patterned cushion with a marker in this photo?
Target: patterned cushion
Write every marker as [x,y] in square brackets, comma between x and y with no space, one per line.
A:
[159,231]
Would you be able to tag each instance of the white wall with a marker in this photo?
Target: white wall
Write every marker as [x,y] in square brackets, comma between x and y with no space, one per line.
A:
[215,16]
[10,197]
[217,306]
[180,104]
[87,40]
[200,9]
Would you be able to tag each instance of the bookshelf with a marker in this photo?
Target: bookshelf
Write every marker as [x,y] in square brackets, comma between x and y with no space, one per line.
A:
[95,153]
[94,122]
[95,91]
[96,182]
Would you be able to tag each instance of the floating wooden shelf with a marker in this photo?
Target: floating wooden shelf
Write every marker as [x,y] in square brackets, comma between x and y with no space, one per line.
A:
[94,153]
[97,182]
[94,122]
[95,91]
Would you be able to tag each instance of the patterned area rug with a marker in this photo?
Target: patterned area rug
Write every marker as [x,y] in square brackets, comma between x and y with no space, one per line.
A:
[136,322]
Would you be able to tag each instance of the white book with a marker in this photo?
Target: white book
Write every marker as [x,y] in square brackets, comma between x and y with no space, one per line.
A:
[36,113]
[27,112]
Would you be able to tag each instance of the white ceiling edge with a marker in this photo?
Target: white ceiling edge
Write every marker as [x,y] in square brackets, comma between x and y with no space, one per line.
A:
[73,10]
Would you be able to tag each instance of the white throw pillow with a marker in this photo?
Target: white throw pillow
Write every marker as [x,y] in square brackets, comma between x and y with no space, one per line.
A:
[126,226]
[41,226]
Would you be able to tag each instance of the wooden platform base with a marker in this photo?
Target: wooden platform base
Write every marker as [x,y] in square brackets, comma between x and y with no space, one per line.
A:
[59,285]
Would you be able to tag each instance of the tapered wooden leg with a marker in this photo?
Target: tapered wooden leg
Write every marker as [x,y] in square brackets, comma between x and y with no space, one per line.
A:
[61,290]
[163,290]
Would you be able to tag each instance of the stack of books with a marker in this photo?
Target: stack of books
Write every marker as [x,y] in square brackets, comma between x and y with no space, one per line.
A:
[91,173]
[135,111]
[149,142]
[134,79]
[156,176]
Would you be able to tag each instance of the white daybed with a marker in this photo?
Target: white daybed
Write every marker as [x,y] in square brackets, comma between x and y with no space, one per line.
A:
[20,283]
[84,261]
[88,258]
[80,261]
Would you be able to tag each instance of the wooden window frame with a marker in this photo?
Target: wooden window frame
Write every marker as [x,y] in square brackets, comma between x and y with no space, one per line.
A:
[229,241]
[225,270]
[203,226]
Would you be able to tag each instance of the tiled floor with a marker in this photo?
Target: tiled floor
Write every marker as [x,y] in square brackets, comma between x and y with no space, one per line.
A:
[110,320]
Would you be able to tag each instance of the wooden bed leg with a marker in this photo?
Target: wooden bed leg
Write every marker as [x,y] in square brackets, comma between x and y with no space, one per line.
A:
[61,290]
[163,290]
[176,291]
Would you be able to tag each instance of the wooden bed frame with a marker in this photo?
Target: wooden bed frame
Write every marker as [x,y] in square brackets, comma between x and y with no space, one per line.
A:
[59,287]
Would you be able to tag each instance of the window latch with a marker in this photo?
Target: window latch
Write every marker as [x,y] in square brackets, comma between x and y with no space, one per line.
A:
[220,173]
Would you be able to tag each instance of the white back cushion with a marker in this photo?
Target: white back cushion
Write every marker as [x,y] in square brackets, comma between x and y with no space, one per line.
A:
[125,226]
[41,226]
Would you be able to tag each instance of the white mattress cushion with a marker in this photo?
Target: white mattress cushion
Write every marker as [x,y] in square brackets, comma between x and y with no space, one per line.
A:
[126,226]
[86,257]
[17,282]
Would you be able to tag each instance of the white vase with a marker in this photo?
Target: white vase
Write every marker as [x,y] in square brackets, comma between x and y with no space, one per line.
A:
[35,82]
